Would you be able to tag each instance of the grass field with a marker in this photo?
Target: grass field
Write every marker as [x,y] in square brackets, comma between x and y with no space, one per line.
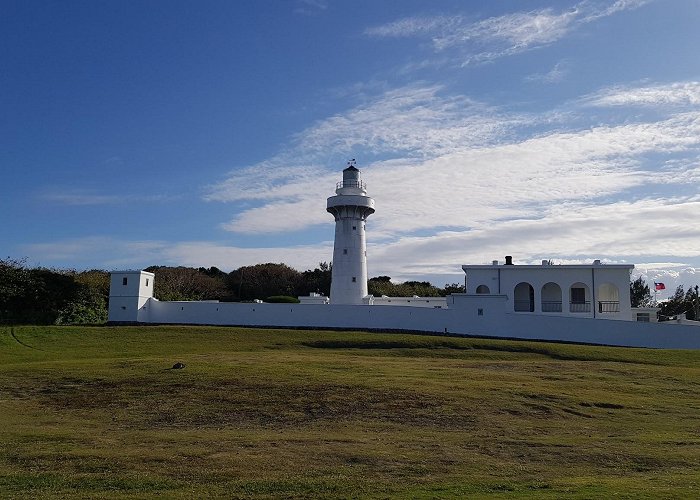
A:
[97,412]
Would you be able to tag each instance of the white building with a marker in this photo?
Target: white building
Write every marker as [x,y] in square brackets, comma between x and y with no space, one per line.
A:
[587,303]
[582,290]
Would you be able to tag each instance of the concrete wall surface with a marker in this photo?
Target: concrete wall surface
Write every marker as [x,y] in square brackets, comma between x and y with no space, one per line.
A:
[467,315]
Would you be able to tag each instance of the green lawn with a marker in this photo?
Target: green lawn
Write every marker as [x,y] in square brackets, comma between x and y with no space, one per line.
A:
[97,412]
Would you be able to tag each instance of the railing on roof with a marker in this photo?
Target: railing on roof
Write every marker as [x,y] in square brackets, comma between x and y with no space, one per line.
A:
[551,306]
[580,307]
[351,184]
[608,306]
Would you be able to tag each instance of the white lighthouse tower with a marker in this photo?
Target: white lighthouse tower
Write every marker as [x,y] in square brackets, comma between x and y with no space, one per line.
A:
[350,206]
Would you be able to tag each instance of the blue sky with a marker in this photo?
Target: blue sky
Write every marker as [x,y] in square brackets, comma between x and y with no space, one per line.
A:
[209,133]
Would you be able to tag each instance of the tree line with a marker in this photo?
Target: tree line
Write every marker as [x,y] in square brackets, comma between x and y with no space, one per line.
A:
[49,296]
[55,296]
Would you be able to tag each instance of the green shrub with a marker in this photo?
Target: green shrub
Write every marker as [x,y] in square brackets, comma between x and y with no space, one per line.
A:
[282,299]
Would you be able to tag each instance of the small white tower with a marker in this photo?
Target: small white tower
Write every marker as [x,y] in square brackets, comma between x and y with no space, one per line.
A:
[129,293]
[350,206]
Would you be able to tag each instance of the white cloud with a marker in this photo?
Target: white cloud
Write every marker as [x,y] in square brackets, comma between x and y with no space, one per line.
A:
[567,233]
[445,198]
[415,119]
[412,123]
[469,186]
[499,36]
[599,11]
[310,7]
[673,94]
[411,26]
[84,198]
[112,253]
[572,232]
[555,75]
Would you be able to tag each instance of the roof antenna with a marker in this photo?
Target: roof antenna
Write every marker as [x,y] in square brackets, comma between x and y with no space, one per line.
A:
[351,163]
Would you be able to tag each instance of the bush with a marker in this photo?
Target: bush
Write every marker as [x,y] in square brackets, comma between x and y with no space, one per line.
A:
[282,299]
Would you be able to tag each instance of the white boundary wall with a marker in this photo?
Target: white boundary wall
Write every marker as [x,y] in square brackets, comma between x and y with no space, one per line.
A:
[467,314]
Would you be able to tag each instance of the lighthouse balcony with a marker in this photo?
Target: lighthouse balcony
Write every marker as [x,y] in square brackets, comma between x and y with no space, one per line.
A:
[350,200]
[351,184]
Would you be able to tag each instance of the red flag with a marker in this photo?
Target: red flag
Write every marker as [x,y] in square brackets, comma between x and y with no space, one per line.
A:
[659,286]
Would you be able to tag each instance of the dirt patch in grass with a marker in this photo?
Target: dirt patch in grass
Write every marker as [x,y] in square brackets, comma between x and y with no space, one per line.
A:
[248,403]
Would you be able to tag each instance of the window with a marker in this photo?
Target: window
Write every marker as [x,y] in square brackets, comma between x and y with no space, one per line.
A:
[578,295]
[354,280]
[480,312]
[124,281]
[481,289]
[124,307]
[146,281]
[345,251]
[643,317]
[354,228]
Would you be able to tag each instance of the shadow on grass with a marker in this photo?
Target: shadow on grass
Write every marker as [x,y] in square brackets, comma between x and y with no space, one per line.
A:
[565,352]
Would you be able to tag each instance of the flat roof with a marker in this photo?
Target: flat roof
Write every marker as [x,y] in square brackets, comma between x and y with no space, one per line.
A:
[548,266]
[131,271]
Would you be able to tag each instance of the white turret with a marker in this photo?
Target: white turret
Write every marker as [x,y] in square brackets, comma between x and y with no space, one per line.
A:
[129,292]
[350,206]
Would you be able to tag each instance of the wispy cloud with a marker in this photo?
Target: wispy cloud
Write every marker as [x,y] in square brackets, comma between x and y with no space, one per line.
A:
[412,123]
[310,7]
[615,231]
[86,198]
[554,75]
[499,36]
[458,164]
[673,94]
[99,251]
[412,26]
[458,181]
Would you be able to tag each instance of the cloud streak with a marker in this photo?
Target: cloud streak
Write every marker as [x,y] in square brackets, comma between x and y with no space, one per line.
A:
[87,198]
[674,94]
[469,169]
[485,40]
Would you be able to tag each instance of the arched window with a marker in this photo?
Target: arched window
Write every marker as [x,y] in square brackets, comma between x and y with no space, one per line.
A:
[608,298]
[551,297]
[524,298]
[481,289]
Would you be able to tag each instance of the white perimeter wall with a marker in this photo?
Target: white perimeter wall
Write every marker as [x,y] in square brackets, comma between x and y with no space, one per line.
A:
[462,317]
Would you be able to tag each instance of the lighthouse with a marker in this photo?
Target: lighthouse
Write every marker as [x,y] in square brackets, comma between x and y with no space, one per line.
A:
[350,206]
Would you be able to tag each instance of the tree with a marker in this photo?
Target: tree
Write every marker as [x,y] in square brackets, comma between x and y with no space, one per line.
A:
[453,288]
[640,295]
[186,283]
[675,304]
[15,284]
[382,285]
[316,281]
[89,303]
[88,306]
[263,280]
